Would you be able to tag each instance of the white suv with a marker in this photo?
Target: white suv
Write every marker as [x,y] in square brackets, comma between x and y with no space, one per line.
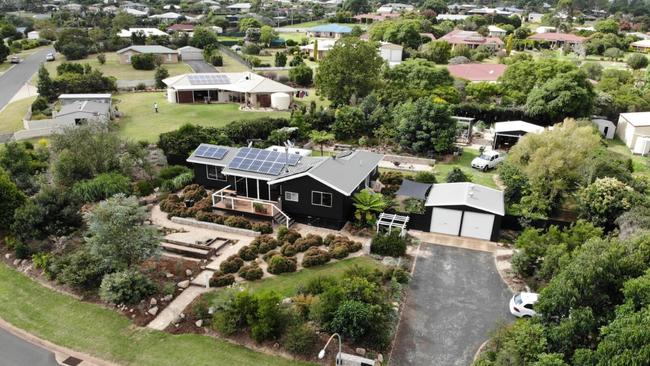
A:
[488,160]
[521,305]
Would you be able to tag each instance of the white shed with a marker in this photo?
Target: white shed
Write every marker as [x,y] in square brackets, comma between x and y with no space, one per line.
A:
[33,35]
[391,53]
[607,128]
[466,209]
[189,53]
[631,128]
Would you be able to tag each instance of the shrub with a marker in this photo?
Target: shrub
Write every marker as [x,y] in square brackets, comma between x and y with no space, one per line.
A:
[289,235]
[391,244]
[300,339]
[146,61]
[289,250]
[281,264]
[101,58]
[315,257]
[126,287]
[194,192]
[79,269]
[399,274]
[212,217]
[264,243]
[21,250]
[220,280]
[248,253]
[457,175]
[344,242]
[251,272]
[178,182]
[143,188]
[267,257]
[232,264]
[311,240]
[262,227]
[40,104]
[414,205]
[339,252]
[172,171]
[637,61]
[160,75]
[425,177]
[41,260]
[302,75]
[251,49]
[101,187]
[238,221]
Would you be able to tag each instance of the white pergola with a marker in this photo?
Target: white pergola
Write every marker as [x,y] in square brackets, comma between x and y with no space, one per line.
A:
[393,221]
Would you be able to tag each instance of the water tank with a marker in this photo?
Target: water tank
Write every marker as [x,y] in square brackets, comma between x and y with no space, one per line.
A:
[280,101]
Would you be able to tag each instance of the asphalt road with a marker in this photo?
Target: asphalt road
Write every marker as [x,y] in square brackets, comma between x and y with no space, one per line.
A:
[17,352]
[201,66]
[14,79]
[456,297]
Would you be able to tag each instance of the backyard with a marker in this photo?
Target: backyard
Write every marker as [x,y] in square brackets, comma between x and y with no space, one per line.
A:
[106,334]
[639,163]
[140,123]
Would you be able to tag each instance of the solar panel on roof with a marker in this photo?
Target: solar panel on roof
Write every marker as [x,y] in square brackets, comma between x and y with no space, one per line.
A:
[208,79]
[262,161]
[211,152]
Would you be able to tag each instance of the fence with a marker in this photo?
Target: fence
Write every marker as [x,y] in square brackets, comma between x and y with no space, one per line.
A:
[237,57]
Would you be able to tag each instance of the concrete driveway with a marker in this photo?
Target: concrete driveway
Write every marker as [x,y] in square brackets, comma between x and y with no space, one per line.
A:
[201,66]
[456,298]
[17,76]
[17,352]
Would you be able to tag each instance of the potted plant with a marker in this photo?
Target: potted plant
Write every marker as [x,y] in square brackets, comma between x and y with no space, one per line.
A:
[259,207]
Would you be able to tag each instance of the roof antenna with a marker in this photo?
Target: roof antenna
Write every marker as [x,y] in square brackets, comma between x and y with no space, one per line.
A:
[287,146]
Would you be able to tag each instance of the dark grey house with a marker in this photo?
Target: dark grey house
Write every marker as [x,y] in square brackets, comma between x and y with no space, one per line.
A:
[286,186]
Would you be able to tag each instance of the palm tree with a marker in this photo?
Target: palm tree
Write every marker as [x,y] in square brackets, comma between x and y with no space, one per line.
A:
[321,138]
[368,204]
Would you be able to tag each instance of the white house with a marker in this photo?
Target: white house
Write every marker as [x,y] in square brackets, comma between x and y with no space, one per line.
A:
[495,31]
[634,130]
[605,127]
[136,13]
[148,32]
[33,35]
[535,17]
[239,7]
[391,53]
[545,29]
[642,45]
[394,8]
[167,17]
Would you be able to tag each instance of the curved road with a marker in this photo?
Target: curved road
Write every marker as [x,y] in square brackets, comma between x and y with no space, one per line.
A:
[17,352]
[17,76]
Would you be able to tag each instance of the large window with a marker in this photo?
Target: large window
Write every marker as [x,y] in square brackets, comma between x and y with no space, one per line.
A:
[291,196]
[321,199]
[214,173]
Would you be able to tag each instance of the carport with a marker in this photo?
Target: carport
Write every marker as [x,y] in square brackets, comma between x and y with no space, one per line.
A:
[508,133]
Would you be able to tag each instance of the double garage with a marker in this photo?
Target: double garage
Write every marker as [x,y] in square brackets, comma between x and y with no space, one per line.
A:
[465,209]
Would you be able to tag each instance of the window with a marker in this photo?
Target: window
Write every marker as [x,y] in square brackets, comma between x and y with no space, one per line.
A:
[291,196]
[321,199]
[213,173]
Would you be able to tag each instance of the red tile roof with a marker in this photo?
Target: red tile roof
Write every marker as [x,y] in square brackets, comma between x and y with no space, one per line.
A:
[181,27]
[460,36]
[477,72]
[557,37]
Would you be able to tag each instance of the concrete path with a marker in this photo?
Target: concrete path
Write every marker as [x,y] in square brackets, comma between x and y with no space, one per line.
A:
[176,307]
[14,79]
[201,66]
[455,241]
[455,299]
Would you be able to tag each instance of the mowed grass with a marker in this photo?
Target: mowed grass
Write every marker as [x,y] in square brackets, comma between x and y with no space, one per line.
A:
[287,284]
[639,163]
[231,65]
[11,117]
[141,123]
[106,334]
[112,67]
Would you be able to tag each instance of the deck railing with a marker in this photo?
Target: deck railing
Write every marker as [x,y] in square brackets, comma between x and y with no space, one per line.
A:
[251,204]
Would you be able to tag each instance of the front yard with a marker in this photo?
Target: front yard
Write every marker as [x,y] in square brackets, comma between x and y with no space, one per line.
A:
[141,123]
[106,334]
[11,118]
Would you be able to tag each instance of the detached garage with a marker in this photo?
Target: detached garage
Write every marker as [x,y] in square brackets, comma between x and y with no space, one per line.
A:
[466,209]
[189,53]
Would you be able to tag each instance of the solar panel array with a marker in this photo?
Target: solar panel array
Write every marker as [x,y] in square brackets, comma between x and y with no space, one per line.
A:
[210,152]
[208,79]
[250,159]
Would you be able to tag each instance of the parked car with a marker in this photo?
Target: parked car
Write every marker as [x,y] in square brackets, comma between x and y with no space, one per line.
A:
[488,160]
[16,60]
[522,304]
[49,57]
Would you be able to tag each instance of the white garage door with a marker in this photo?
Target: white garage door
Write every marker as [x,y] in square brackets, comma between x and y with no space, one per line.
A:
[445,221]
[192,56]
[477,225]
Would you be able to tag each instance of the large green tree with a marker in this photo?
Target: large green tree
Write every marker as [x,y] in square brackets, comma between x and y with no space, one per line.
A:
[425,127]
[567,95]
[11,198]
[351,69]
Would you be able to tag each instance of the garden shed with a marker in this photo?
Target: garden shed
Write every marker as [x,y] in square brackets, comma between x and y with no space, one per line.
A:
[508,133]
[606,127]
[466,209]
[189,53]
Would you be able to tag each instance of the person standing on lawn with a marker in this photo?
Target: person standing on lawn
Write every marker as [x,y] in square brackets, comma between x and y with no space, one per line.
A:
[155,107]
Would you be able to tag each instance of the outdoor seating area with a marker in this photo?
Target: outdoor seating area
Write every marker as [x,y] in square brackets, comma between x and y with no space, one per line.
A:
[227,199]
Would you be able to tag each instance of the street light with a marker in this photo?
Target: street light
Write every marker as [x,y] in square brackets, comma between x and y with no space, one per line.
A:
[321,354]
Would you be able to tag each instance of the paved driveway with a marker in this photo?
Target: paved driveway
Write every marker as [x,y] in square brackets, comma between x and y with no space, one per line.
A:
[17,352]
[456,298]
[12,80]
[201,66]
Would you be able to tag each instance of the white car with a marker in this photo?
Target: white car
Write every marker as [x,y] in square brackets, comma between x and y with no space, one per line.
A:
[488,160]
[522,304]
[49,57]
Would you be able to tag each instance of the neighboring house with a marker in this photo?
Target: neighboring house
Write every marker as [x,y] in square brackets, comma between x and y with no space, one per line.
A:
[247,88]
[558,39]
[642,45]
[535,17]
[136,13]
[508,133]
[189,53]
[373,17]
[545,29]
[148,32]
[471,39]
[477,72]
[392,53]
[239,8]
[452,17]
[171,7]
[324,47]
[606,127]
[588,29]
[65,99]
[634,130]
[394,8]
[489,11]
[33,35]
[465,209]
[81,112]
[167,17]
[314,190]
[329,31]
[639,35]
[167,55]
[494,31]
[181,27]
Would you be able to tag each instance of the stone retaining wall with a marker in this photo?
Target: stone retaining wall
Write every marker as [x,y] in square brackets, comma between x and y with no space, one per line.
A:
[213,226]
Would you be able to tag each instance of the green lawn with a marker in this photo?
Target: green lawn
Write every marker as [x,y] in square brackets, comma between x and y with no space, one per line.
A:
[112,67]
[231,65]
[287,284]
[106,334]
[5,66]
[140,123]
[639,163]
[11,118]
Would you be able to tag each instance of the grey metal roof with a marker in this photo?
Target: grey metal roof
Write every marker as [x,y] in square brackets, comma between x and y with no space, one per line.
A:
[148,49]
[467,194]
[413,189]
[84,107]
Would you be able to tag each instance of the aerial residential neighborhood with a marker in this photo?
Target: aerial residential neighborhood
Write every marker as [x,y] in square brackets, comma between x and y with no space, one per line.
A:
[324,182]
